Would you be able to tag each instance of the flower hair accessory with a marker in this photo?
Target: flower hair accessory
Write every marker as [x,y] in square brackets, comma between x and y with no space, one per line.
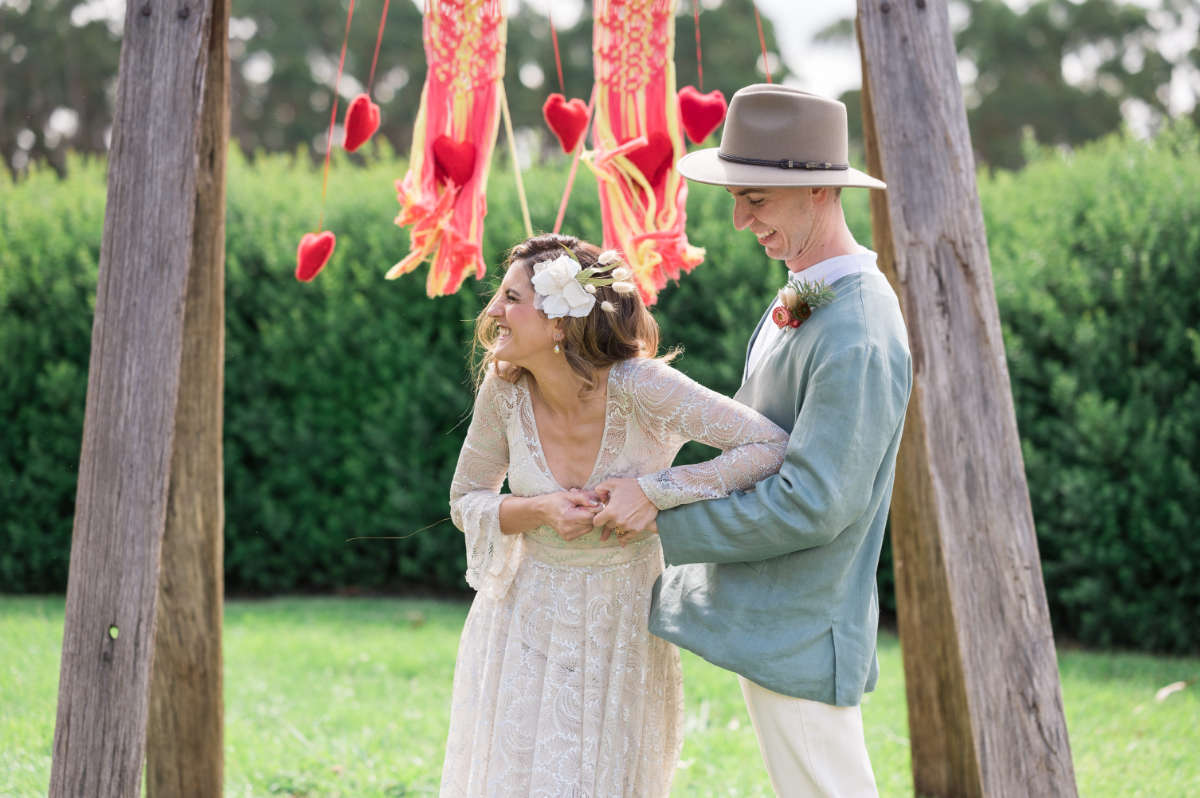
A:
[797,301]
[564,288]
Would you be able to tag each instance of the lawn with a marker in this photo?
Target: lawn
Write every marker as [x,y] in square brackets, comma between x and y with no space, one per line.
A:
[349,697]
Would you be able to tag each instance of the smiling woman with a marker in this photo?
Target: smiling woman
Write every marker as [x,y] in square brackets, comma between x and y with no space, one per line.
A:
[513,327]
[559,688]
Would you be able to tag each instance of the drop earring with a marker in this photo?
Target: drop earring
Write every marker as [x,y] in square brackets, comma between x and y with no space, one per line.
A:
[557,348]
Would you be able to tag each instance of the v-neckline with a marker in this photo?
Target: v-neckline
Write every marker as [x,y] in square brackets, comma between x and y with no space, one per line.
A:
[537,433]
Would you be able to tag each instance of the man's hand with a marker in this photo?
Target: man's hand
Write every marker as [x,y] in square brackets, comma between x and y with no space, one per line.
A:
[626,508]
[571,513]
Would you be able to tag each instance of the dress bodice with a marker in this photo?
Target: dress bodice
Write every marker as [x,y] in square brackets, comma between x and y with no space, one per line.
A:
[651,410]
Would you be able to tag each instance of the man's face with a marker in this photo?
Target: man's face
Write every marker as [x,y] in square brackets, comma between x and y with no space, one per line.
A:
[781,218]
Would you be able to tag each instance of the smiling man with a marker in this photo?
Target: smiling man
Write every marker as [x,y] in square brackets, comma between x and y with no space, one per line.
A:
[778,584]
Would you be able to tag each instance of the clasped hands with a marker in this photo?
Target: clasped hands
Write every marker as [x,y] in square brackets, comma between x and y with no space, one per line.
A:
[617,505]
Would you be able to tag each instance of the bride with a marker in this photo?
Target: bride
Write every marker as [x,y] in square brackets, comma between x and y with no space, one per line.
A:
[559,689]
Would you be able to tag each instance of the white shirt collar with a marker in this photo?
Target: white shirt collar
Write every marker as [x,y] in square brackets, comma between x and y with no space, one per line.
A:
[833,269]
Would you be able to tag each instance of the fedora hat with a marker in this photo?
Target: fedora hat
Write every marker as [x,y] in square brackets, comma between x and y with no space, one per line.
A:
[779,136]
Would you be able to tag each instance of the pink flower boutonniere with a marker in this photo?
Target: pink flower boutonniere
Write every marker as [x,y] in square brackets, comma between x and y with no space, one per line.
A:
[798,299]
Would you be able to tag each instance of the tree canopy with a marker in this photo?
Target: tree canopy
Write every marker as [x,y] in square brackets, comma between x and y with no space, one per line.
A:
[1065,71]
[59,59]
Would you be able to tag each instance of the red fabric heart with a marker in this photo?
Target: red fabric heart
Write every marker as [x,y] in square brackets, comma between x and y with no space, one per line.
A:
[362,120]
[567,119]
[313,253]
[453,160]
[701,113]
[654,157]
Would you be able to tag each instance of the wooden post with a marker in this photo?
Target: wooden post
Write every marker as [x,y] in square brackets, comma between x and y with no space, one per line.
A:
[185,737]
[133,386]
[984,703]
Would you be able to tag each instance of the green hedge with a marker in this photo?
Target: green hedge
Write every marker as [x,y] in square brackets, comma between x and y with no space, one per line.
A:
[1097,264]
[346,398]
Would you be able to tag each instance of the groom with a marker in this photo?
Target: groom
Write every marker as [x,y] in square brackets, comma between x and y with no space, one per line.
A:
[778,584]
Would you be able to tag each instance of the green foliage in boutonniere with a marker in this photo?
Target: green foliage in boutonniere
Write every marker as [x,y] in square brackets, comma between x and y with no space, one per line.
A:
[798,299]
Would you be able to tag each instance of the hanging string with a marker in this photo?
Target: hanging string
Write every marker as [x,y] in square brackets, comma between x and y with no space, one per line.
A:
[762,42]
[557,60]
[333,115]
[378,41]
[512,146]
[699,60]
[562,206]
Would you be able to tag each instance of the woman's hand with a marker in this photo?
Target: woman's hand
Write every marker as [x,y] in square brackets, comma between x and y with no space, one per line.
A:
[626,508]
[570,513]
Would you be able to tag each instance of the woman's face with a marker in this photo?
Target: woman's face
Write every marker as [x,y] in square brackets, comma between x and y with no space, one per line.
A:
[525,332]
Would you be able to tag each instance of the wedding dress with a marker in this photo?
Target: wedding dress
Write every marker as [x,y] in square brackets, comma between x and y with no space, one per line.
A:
[559,689]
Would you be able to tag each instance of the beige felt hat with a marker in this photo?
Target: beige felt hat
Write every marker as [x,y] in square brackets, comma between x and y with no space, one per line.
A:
[779,136]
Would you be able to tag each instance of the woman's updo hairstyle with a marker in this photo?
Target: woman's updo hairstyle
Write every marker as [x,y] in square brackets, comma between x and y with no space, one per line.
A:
[590,343]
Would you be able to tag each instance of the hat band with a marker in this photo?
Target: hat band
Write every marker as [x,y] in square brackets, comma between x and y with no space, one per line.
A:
[786,163]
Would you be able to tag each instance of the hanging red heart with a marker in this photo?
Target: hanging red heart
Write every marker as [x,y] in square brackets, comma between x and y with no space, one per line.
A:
[362,120]
[313,253]
[568,119]
[453,160]
[701,113]
[654,157]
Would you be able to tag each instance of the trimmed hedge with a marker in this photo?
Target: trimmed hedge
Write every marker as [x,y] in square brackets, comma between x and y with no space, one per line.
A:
[1097,264]
[346,399]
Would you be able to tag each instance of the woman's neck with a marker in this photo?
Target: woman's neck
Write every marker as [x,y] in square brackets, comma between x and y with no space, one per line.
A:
[560,388]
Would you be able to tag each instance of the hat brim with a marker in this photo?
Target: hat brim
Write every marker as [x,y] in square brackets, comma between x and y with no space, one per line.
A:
[704,166]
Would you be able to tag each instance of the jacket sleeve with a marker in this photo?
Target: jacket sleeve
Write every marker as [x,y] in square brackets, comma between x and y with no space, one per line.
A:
[675,408]
[492,557]
[849,416]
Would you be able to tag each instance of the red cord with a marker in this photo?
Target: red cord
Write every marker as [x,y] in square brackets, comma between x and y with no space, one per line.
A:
[557,60]
[378,41]
[333,114]
[699,60]
[762,42]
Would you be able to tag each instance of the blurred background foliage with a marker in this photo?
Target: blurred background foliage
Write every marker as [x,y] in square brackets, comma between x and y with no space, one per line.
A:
[346,399]
[284,65]
[1066,71]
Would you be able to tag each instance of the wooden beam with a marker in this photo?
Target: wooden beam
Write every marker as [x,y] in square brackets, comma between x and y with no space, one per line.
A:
[984,703]
[185,737]
[133,385]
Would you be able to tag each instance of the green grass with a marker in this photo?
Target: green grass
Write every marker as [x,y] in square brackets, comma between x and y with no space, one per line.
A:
[349,697]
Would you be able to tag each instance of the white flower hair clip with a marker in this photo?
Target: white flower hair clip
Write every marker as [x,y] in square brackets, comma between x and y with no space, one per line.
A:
[564,288]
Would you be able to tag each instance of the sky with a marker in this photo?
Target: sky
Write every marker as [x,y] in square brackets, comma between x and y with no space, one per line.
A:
[821,69]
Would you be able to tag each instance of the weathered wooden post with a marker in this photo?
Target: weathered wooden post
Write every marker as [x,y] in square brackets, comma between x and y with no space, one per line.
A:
[984,703]
[185,738]
[161,264]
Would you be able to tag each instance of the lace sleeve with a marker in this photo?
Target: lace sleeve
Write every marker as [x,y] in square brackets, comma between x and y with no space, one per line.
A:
[492,557]
[676,408]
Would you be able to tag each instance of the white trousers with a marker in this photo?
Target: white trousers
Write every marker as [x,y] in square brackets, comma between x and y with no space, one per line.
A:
[811,750]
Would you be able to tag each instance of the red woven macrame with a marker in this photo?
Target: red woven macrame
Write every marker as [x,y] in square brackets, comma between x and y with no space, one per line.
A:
[442,197]
[637,138]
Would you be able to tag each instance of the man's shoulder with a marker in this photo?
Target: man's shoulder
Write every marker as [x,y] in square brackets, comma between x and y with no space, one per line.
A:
[864,310]
[863,323]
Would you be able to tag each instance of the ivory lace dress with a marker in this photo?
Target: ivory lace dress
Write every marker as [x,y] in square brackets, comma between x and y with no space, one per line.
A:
[559,689]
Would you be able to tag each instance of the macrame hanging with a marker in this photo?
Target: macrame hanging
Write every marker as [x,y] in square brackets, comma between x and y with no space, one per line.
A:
[637,139]
[442,197]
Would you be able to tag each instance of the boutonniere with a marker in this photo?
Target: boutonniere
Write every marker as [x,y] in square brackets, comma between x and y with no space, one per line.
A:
[798,299]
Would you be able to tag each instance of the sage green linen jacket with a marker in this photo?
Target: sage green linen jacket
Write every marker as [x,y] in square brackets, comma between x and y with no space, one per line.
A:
[778,583]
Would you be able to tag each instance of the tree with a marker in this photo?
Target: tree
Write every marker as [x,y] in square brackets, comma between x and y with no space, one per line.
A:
[58,71]
[284,65]
[1066,71]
